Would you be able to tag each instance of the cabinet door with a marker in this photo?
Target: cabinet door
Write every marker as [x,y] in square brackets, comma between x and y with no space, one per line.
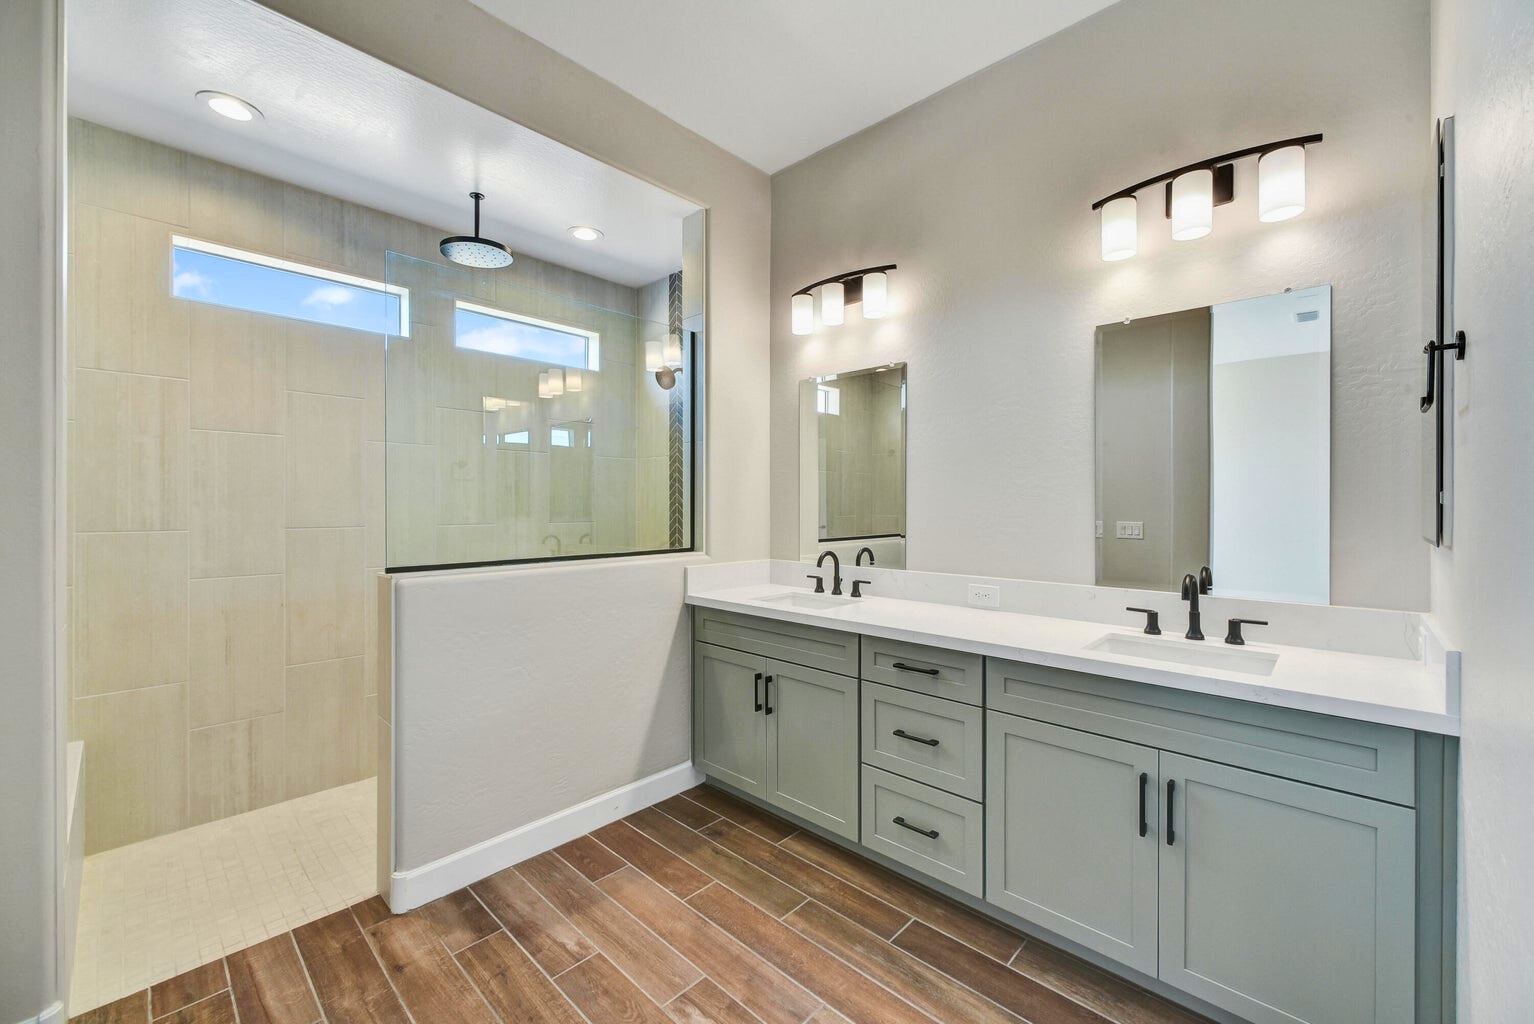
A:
[1067,846]
[1284,902]
[812,745]
[729,728]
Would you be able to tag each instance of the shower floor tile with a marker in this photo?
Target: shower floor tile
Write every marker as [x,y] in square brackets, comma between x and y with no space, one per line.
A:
[155,909]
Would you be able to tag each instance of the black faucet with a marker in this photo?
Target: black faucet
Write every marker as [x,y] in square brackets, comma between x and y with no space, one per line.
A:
[836,571]
[1205,580]
[864,551]
[1190,595]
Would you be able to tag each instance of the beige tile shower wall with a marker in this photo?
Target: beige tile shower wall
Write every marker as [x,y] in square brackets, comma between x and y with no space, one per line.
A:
[227,485]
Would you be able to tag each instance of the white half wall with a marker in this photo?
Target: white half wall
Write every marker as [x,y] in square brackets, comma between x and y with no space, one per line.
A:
[982,195]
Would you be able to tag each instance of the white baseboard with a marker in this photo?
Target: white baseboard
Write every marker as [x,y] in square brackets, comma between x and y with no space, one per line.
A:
[418,886]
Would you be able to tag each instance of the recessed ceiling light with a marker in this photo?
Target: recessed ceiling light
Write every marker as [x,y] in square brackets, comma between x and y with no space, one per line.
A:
[231,107]
[585,233]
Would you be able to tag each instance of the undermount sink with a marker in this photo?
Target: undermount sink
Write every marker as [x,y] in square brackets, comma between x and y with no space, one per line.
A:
[1185,652]
[808,602]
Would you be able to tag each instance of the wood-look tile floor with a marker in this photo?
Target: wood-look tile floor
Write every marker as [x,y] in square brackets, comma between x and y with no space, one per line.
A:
[699,910]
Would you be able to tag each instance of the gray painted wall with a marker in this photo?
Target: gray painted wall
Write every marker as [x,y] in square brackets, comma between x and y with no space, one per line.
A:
[982,195]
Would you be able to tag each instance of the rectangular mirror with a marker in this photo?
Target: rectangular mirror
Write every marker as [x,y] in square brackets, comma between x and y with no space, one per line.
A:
[852,465]
[1214,448]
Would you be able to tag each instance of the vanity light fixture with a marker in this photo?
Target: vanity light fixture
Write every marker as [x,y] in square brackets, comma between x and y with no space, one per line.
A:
[543,385]
[556,382]
[868,288]
[1193,191]
[573,380]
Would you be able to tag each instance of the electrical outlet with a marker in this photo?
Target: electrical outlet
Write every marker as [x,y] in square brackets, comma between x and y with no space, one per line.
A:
[1131,531]
[1099,528]
[982,596]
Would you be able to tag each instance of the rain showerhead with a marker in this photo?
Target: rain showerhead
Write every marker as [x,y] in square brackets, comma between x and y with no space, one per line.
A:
[474,251]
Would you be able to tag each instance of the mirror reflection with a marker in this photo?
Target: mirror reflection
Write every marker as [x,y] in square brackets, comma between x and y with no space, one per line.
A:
[1213,448]
[852,465]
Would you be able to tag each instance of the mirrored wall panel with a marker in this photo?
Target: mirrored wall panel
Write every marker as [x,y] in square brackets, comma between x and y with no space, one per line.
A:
[852,465]
[1214,448]
[522,425]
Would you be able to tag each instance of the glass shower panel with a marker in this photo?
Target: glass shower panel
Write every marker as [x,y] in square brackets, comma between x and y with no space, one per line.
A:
[523,425]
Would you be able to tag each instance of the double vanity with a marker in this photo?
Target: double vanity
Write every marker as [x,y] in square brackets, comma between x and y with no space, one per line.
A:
[1264,828]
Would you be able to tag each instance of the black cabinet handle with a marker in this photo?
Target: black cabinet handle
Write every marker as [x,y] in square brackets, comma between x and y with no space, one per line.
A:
[902,666]
[1144,778]
[767,692]
[915,739]
[756,691]
[929,833]
[1171,834]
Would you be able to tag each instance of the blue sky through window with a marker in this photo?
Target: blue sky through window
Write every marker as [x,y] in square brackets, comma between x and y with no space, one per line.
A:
[506,334]
[317,297]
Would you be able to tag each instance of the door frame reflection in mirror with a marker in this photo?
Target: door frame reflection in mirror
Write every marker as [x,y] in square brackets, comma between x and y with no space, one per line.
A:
[1249,495]
[833,401]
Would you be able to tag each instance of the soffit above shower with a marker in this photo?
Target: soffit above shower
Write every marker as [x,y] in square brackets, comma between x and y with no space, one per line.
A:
[340,122]
[774,82]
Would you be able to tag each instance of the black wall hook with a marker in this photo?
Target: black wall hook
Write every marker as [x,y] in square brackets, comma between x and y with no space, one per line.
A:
[1432,350]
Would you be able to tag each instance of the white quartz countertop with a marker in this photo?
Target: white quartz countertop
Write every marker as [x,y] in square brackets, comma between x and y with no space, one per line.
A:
[1390,691]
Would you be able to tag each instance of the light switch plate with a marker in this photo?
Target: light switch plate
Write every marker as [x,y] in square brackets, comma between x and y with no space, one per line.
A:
[1131,531]
[982,596]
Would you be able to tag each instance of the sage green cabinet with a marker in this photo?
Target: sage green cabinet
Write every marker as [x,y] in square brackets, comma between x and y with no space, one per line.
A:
[812,745]
[729,730]
[1284,902]
[1071,835]
[778,731]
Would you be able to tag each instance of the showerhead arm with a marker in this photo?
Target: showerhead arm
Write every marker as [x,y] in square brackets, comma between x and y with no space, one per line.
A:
[476,196]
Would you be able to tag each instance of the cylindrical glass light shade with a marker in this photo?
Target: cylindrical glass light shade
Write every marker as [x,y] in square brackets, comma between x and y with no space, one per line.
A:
[556,382]
[543,385]
[832,312]
[654,355]
[1120,228]
[1281,184]
[573,380]
[1192,204]
[876,290]
[803,318]
[673,351]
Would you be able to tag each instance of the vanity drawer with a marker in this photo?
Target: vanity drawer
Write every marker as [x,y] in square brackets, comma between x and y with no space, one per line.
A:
[942,835]
[928,739]
[930,670]
[825,649]
[1377,761]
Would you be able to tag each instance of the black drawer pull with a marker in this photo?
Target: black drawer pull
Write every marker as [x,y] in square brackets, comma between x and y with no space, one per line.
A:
[929,833]
[915,739]
[756,691]
[767,693]
[1171,835]
[1144,778]
[902,666]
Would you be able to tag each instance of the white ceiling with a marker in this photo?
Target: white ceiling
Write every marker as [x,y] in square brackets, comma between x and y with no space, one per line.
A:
[775,81]
[343,123]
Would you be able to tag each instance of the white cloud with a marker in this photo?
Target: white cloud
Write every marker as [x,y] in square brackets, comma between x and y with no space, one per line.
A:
[329,296]
[187,281]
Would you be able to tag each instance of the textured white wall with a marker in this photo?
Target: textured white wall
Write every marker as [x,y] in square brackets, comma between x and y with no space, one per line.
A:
[1483,588]
[982,195]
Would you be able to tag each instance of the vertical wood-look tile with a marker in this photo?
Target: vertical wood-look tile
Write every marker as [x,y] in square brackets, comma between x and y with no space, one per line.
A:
[759,986]
[604,994]
[985,935]
[911,979]
[134,782]
[323,726]
[459,920]
[238,370]
[424,974]
[351,986]
[235,767]
[324,599]
[770,828]
[1112,997]
[751,882]
[860,999]
[324,461]
[707,1003]
[590,857]
[215,1009]
[513,985]
[130,615]
[693,815]
[843,897]
[269,985]
[370,911]
[122,315]
[653,859]
[237,510]
[655,968]
[551,940]
[1023,996]
[130,1009]
[130,452]
[235,668]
